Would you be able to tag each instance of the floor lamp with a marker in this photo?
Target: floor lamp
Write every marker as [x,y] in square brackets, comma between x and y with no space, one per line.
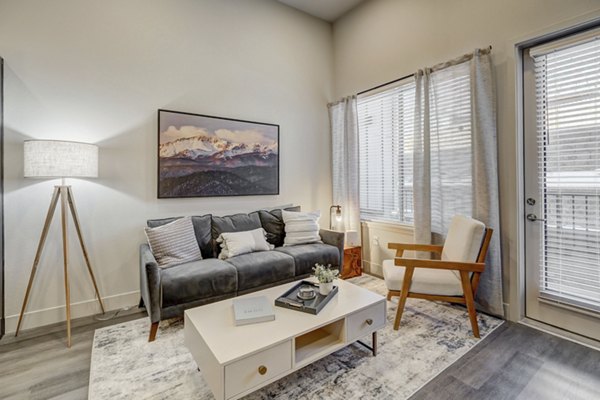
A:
[60,159]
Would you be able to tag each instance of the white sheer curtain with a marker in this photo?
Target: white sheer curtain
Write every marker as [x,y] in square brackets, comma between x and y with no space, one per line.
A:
[344,135]
[455,160]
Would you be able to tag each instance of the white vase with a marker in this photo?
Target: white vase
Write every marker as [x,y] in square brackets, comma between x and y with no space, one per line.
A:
[325,288]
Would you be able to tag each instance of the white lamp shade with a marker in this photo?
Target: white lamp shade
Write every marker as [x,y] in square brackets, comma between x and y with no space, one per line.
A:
[60,159]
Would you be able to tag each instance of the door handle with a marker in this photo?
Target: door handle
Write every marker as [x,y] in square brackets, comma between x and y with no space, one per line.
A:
[533,218]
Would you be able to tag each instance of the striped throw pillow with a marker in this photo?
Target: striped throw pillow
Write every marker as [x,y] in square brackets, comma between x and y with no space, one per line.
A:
[301,227]
[174,243]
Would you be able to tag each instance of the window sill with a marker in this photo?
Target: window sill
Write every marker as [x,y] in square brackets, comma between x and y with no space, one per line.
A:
[389,226]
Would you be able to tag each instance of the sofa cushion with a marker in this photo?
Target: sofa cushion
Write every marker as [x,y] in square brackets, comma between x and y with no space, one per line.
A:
[202,229]
[233,223]
[272,223]
[262,268]
[197,280]
[307,255]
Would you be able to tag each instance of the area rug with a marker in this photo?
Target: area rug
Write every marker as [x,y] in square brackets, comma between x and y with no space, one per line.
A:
[432,336]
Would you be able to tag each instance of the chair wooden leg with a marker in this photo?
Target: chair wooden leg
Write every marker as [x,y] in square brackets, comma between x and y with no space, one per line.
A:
[153,330]
[469,301]
[408,274]
[391,293]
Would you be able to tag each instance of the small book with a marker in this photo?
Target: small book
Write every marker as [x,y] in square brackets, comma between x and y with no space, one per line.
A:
[251,310]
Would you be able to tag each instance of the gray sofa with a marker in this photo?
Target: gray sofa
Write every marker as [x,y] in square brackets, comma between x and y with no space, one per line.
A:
[167,292]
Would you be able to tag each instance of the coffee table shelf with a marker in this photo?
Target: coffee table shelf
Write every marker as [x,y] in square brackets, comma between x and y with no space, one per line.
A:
[313,344]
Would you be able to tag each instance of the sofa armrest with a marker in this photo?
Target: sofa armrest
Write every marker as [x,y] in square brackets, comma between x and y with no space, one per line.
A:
[150,282]
[336,239]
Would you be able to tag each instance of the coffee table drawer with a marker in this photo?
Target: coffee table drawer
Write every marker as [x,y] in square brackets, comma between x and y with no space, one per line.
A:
[251,371]
[364,322]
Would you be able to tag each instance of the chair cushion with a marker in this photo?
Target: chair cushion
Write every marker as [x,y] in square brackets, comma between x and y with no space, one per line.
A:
[425,280]
[463,240]
[307,255]
[202,229]
[197,280]
[272,222]
[262,268]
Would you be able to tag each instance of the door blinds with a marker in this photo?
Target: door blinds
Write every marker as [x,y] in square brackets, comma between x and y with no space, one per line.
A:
[568,130]
[386,125]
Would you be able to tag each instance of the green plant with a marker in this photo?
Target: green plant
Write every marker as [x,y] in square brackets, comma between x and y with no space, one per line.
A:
[325,274]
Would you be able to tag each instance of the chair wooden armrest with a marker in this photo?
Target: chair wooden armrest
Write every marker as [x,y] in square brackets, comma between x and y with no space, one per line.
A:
[416,247]
[438,264]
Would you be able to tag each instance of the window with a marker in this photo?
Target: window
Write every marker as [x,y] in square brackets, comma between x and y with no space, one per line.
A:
[451,150]
[567,81]
[386,123]
[385,126]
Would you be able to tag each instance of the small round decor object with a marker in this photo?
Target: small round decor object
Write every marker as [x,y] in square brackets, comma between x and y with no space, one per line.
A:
[306,292]
[262,370]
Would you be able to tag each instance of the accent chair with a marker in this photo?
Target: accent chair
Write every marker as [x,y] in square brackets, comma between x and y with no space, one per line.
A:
[453,278]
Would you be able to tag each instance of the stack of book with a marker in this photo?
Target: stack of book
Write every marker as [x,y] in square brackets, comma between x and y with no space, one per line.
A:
[251,310]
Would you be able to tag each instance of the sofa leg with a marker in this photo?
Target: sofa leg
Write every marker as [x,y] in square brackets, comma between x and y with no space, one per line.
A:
[153,330]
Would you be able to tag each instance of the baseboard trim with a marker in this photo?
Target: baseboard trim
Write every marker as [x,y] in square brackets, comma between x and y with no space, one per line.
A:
[53,315]
[561,333]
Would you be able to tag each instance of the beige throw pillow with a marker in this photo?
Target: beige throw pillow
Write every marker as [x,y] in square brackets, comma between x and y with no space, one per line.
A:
[236,243]
[174,243]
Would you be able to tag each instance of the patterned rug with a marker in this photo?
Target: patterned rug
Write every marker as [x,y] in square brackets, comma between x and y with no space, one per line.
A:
[432,336]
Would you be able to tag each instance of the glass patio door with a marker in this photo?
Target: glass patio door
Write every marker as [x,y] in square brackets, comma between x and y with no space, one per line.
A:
[562,183]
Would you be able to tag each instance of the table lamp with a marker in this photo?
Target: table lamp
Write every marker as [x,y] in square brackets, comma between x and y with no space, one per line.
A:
[60,159]
[338,215]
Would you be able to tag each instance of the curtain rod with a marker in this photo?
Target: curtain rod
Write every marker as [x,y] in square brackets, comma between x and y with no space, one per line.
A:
[435,67]
[385,84]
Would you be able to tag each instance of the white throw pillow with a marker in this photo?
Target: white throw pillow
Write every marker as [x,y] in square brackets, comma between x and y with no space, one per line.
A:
[301,227]
[174,243]
[236,243]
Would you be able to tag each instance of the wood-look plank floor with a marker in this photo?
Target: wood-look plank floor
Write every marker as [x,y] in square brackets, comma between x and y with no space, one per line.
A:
[519,362]
[38,365]
[515,362]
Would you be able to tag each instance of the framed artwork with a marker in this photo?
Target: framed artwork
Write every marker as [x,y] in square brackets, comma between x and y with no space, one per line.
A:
[205,156]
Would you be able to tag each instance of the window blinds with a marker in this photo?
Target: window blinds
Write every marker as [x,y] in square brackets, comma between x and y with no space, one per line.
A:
[385,125]
[450,141]
[568,131]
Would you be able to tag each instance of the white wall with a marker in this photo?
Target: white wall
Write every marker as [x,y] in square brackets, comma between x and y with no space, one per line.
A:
[97,71]
[375,239]
[383,40]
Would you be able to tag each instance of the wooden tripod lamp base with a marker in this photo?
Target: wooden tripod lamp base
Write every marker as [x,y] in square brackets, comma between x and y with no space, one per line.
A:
[65,194]
[48,158]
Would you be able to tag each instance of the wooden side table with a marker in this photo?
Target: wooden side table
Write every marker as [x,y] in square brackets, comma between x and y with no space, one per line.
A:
[352,262]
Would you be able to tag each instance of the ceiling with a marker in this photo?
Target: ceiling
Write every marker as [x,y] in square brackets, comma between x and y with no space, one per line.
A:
[329,10]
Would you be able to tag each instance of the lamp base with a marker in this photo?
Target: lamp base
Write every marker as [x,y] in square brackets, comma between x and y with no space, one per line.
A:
[67,202]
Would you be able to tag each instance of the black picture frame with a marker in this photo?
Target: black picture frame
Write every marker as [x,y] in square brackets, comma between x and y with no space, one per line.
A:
[225,156]
[2,284]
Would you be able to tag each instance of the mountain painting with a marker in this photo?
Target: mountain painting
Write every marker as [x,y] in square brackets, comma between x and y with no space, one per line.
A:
[204,156]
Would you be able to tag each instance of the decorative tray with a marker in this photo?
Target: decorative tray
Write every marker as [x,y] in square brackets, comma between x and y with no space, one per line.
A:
[291,300]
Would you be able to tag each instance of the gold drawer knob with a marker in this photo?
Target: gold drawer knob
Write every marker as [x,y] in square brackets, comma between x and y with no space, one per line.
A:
[262,370]
[369,321]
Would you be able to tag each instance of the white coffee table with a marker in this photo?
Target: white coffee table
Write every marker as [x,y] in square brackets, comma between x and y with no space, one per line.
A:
[237,360]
